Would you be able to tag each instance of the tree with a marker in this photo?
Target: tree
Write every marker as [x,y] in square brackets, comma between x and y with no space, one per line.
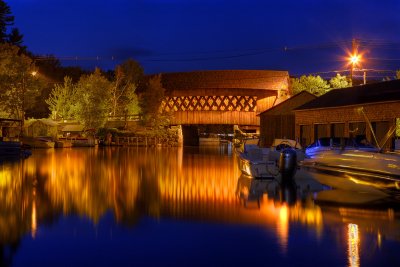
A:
[62,100]
[6,19]
[93,100]
[313,84]
[18,88]
[150,100]
[15,38]
[339,82]
[123,97]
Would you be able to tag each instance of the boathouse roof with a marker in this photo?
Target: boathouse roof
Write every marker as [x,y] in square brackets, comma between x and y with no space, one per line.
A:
[289,104]
[388,91]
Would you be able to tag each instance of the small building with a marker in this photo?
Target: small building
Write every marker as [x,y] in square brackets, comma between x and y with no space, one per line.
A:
[279,121]
[344,113]
[73,130]
[10,129]
[40,127]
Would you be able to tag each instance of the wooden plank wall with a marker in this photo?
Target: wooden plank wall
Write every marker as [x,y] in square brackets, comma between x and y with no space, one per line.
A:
[276,126]
[215,117]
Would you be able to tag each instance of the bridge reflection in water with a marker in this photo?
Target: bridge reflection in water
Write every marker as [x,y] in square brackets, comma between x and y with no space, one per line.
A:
[164,183]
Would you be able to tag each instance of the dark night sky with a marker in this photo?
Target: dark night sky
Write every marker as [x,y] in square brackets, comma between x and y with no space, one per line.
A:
[185,35]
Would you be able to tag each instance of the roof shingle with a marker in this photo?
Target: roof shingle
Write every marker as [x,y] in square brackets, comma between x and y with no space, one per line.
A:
[364,94]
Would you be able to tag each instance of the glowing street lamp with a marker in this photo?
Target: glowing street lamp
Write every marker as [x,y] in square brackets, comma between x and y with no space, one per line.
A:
[354,59]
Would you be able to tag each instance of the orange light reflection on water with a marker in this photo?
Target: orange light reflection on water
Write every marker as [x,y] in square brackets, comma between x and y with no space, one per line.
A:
[154,182]
[353,245]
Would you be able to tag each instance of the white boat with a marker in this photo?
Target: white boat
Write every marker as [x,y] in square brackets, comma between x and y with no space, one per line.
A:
[38,142]
[356,170]
[340,144]
[259,162]
[359,168]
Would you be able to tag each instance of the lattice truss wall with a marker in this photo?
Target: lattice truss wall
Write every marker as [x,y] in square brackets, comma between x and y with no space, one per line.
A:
[209,103]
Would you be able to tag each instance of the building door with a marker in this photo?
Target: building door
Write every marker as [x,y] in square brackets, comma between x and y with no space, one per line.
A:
[320,130]
[337,130]
[357,129]
[380,129]
[305,135]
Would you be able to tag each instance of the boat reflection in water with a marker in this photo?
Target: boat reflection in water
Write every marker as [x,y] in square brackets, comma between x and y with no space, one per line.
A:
[176,188]
[285,204]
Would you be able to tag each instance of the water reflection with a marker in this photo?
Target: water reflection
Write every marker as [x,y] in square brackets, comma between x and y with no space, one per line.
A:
[353,242]
[190,184]
[280,203]
[283,205]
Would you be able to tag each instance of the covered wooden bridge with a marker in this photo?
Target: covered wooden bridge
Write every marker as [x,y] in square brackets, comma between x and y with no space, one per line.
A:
[231,97]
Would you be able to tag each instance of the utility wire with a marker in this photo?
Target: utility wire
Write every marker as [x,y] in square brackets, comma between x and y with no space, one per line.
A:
[209,55]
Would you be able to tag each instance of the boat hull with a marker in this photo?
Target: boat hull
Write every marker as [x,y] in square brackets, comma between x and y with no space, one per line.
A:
[258,169]
[37,142]
[377,173]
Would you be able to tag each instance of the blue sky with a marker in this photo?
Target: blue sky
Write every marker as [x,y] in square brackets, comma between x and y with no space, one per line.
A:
[187,35]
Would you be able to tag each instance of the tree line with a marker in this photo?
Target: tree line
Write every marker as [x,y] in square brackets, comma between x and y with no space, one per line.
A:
[70,93]
[317,85]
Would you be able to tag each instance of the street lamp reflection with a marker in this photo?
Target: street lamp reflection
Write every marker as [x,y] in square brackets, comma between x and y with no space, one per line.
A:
[353,245]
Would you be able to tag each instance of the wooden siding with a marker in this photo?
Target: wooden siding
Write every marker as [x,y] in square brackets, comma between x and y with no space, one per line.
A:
[276,126]
[278,121]
[266,103]
[221,97]
[215,117]
[223,79]
[383,115]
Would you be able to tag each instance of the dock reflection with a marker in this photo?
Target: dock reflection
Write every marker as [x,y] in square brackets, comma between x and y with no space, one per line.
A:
[171,183]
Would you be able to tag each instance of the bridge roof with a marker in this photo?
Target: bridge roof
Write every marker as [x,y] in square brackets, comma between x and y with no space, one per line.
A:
[226,79]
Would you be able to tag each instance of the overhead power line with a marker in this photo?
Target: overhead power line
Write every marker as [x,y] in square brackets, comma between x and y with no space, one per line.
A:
[227,54]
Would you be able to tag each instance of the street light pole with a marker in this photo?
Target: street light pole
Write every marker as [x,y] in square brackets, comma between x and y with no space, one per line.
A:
[23,87]
[354,58]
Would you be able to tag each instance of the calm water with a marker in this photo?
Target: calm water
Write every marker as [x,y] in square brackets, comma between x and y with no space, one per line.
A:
[174,207]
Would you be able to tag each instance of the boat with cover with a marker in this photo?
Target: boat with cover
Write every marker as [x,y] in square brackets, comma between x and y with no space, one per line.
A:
[335,143]
[357,170]
[260,162]
[363,169]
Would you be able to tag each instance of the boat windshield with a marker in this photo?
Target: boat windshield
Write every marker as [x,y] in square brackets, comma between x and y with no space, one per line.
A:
[357,142]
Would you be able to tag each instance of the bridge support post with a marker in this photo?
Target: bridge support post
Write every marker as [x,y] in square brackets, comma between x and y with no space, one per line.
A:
[180,135]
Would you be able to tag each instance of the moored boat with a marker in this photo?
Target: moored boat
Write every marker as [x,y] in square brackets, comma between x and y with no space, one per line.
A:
[259,162]
[356,170]
[37,142]
[83,142]
[340,144]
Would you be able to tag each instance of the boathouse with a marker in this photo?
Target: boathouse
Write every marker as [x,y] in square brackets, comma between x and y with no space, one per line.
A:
[345,112]
[40,127]
[279,121]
